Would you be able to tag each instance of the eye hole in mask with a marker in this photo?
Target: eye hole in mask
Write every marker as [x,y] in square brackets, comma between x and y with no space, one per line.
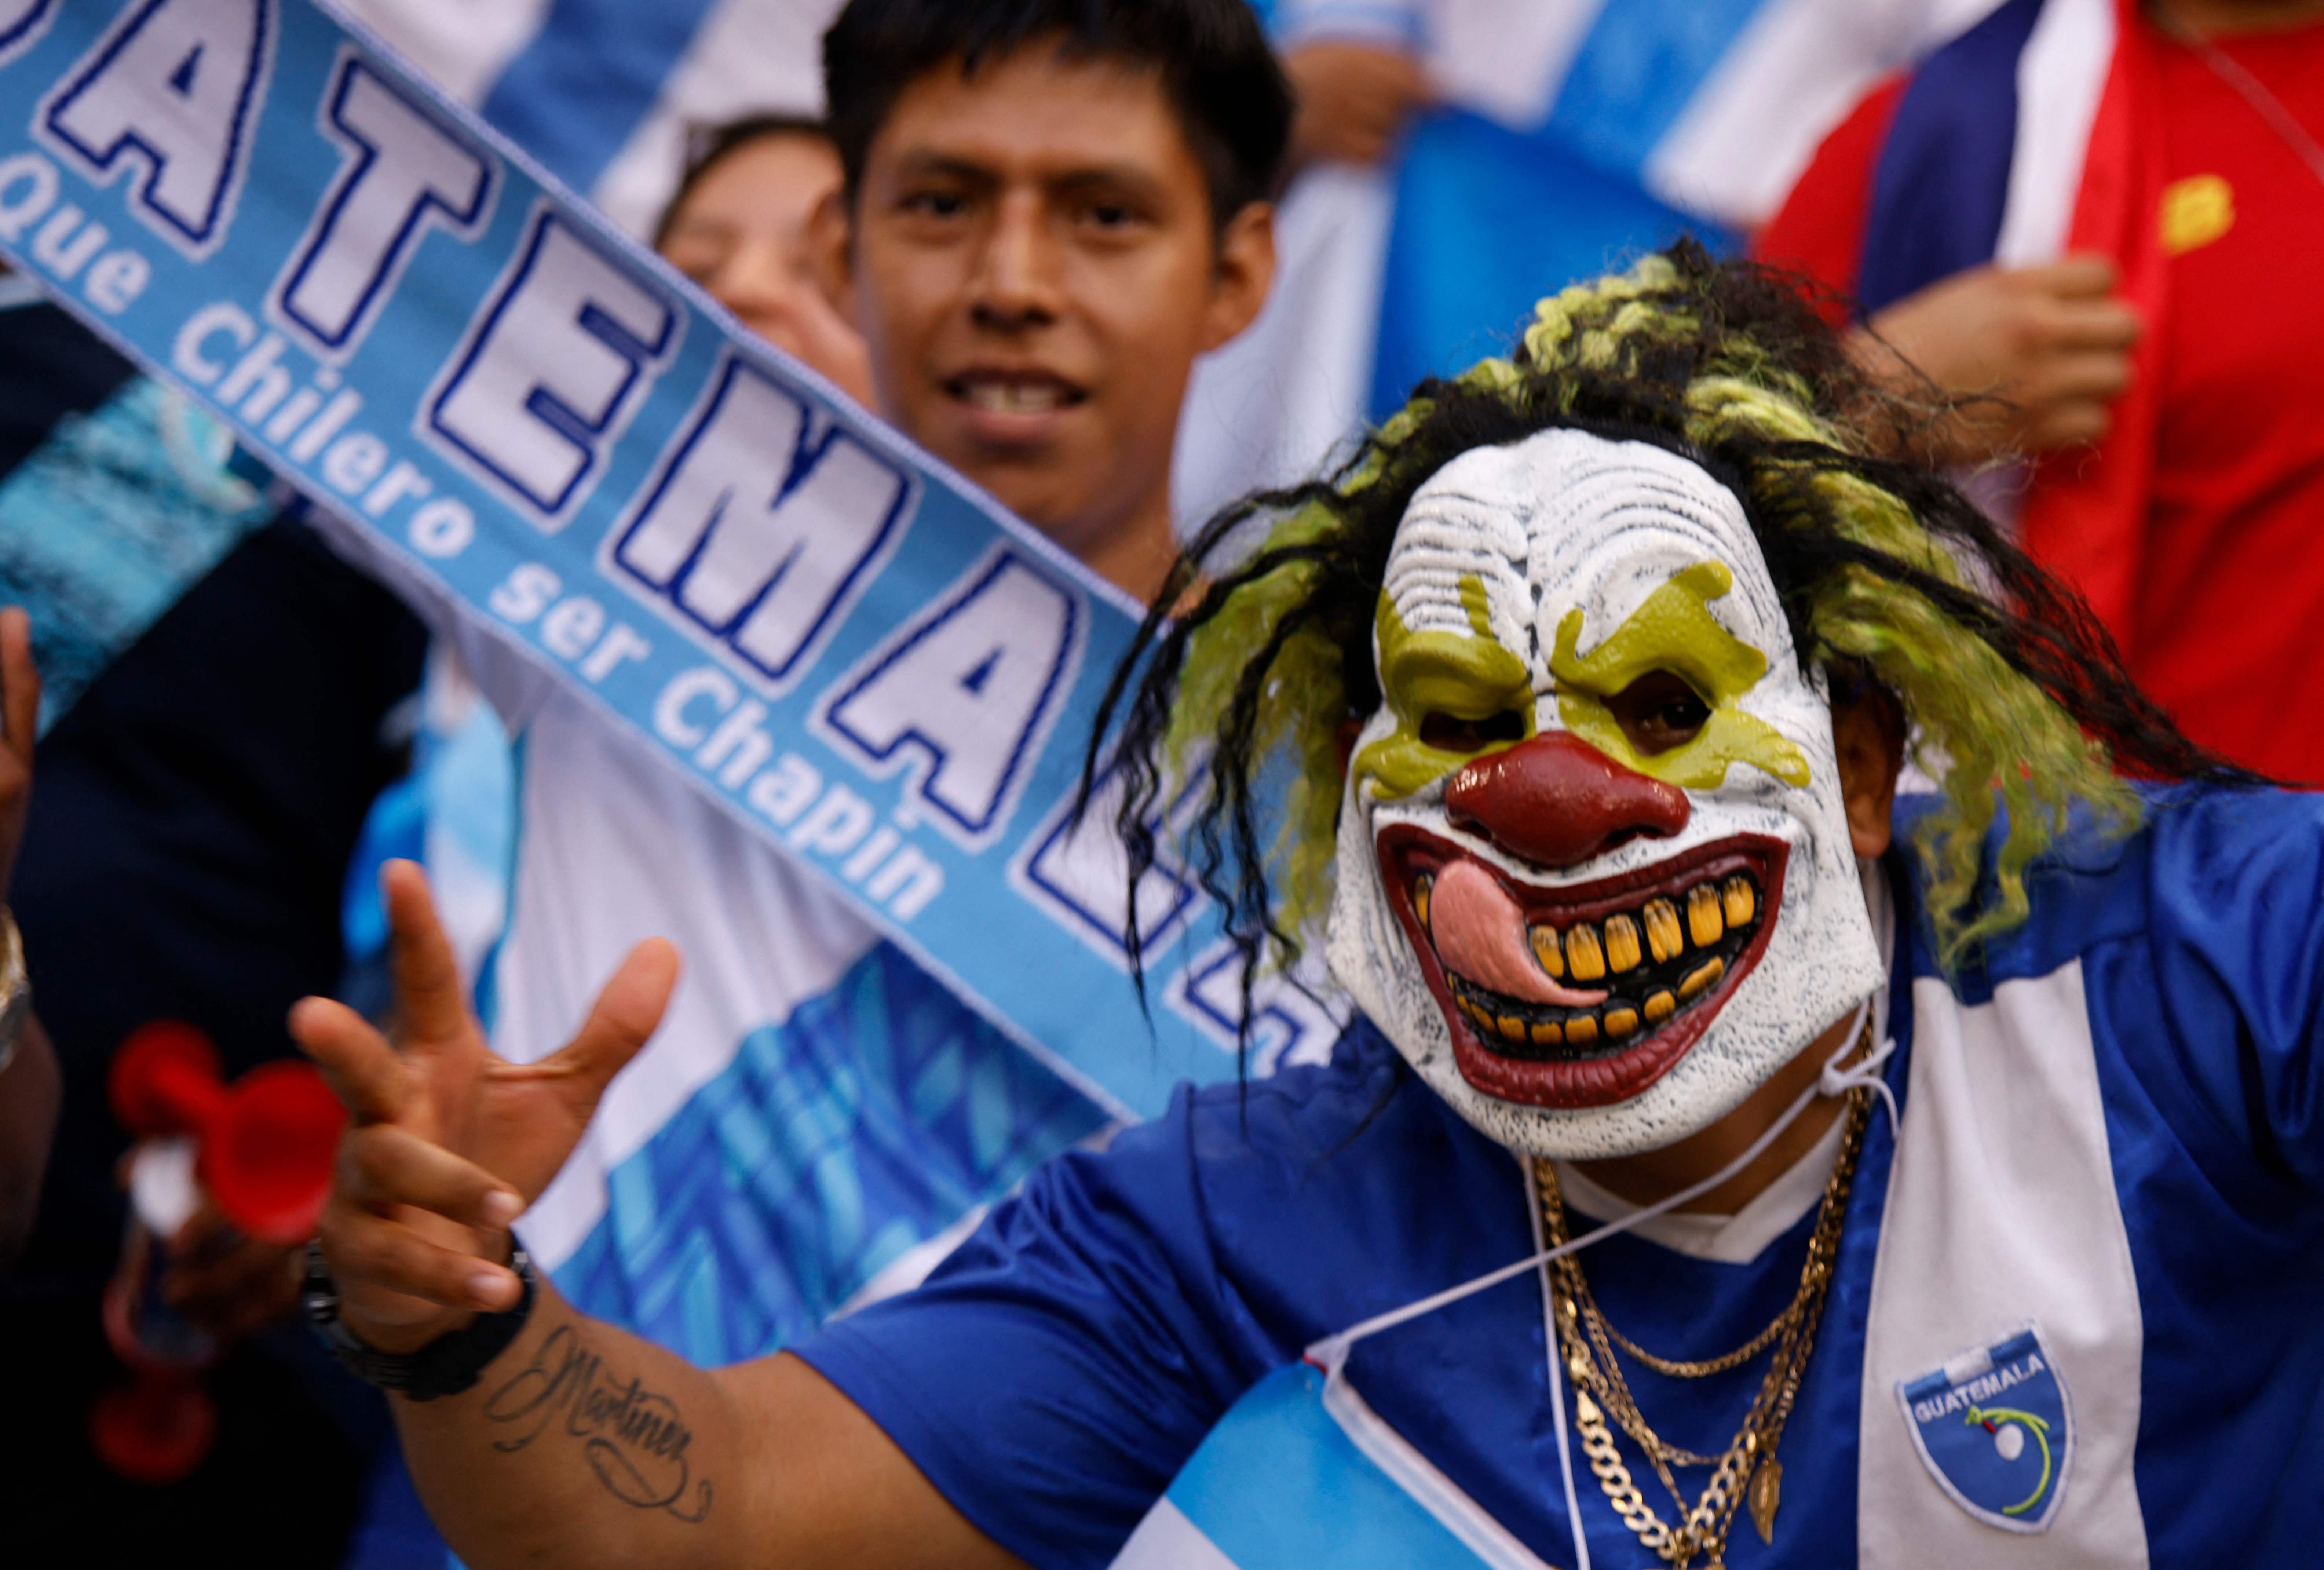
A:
[1453,733]
[1659,711]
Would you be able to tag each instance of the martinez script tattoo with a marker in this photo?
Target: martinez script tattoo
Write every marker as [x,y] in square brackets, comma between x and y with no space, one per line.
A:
[634,1438]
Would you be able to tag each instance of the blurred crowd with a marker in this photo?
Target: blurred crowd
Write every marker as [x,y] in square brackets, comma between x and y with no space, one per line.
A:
[1115,310]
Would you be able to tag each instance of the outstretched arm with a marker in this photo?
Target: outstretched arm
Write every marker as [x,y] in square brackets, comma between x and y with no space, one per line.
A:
[586,1445]
[582,1444]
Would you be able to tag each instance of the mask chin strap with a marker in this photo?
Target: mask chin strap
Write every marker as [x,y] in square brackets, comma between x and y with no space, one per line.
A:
[1836,1081]
[1331,1354]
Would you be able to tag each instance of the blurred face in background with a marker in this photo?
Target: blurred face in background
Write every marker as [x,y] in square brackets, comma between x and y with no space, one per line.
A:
[741,231]
[1034,262]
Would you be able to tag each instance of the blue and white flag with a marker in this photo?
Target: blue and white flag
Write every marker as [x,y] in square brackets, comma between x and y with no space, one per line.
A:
[602,92]
[1568,136]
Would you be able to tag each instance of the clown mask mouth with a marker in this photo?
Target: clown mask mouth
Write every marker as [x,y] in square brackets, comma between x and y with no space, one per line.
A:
[1583,995]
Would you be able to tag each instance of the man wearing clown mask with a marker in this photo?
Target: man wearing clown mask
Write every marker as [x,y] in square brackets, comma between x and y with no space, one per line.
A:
[1949,1164]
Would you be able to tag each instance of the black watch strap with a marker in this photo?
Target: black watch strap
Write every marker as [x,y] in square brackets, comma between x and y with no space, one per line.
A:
[445,1366]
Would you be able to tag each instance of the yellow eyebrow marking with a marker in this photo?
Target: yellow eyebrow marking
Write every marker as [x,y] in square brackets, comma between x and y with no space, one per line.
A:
[1472,600]
[1469,678]
[1673,630]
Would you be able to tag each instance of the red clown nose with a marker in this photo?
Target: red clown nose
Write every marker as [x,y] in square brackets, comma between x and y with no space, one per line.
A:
[1557,802]
[266,1141]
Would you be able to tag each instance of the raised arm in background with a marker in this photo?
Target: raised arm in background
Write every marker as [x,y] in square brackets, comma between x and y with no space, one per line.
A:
[2038,356]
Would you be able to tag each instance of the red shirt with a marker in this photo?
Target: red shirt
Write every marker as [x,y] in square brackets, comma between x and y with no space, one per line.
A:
[2228,626]
[2229,632]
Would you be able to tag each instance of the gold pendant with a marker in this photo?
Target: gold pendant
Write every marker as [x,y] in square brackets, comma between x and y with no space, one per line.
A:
[1767,1492]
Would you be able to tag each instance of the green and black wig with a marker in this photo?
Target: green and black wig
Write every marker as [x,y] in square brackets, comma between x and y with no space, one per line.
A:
[2017,700]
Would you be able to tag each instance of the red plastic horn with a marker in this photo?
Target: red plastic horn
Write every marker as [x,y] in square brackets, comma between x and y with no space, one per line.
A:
[266,1141]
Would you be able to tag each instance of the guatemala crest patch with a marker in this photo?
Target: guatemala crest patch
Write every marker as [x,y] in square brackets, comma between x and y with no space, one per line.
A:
[1996,1427]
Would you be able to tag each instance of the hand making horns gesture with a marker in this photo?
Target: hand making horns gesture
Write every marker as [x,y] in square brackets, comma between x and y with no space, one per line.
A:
[446,1143]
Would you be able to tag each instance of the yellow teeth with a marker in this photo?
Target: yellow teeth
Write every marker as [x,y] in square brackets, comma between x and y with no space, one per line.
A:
[1703,921]
[1547,950]
[1699,981]
[1587,952]
[1420,888]
[1611,953]
[1664,939]
[1621,944]
[1585,960]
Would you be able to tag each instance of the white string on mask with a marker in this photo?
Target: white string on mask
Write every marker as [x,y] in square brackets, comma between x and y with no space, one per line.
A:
[1836,1081]
[1331,1354]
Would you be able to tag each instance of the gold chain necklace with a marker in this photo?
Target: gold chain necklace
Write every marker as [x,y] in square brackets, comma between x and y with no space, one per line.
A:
[1582,1330]
[1680,1368]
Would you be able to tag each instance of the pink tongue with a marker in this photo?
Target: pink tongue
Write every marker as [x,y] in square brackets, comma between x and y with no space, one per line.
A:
[1480,933]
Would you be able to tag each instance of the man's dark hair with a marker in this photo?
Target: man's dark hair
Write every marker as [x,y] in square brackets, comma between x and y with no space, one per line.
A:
[1217,70]
[707,146]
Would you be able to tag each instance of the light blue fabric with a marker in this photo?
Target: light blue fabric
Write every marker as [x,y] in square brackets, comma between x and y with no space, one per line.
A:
[576,93]
[102,529]
[869,1122]
[1325,1502]
[455,812]
[1639,67]
[1488,221]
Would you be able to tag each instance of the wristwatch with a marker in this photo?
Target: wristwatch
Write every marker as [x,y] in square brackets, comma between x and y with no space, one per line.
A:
[15,989]
[445,1366]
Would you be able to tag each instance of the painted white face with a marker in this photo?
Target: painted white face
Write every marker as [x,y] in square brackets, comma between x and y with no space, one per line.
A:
[1595,879]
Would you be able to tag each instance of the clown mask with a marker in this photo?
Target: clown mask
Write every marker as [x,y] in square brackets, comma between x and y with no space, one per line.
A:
[1594,871]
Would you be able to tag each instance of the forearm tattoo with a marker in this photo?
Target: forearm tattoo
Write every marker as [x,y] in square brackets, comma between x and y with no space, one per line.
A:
[634,1439]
